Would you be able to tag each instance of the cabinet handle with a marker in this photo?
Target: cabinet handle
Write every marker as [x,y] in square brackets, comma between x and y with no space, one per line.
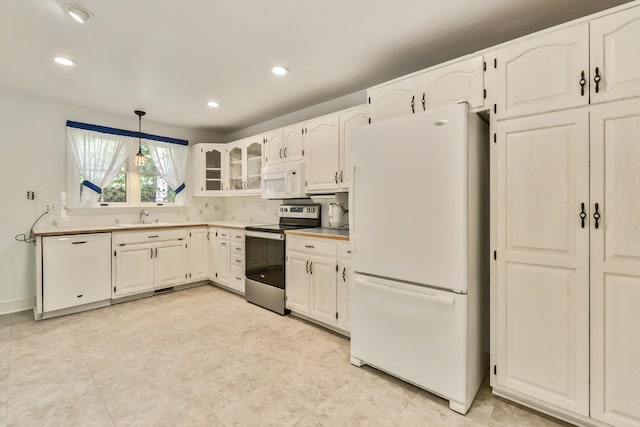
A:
[238,278]
[413,104]
[596,215]
[153,237]
[309,246]
[79,243]
[583,214]
[341,176]
[582,83]
[344,275]
[238,261]
[597,79]
[156,254]
[285,152]
[424,101]
[281,153]
[348,252]
[336,177]
[306,267]
[151,252]
[311,267]
[238,249]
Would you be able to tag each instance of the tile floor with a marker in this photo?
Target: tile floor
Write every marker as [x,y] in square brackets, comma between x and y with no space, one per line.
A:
[205,357]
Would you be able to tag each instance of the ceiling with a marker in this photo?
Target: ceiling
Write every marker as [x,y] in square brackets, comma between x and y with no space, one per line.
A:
[171,57]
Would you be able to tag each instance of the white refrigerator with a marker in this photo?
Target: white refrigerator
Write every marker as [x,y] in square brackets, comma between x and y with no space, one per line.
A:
[419,207]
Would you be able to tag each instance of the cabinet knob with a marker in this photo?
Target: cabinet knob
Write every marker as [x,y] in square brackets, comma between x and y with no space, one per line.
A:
[596,215]
[336,177]
[582,83]
[424,101]
[597,79]
[413,104]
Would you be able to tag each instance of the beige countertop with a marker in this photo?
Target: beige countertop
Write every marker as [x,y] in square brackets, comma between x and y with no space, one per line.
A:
[322,232]
[50,230]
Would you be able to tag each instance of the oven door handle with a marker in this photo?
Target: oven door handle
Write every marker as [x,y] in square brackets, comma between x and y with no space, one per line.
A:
[264,235]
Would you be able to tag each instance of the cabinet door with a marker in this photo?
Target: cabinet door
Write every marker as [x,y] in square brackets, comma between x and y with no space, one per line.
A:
[224,262]
[212,157]
[297,280]
[197,170]
[213,256]
[253,169]
[322,145]
[235,170]
[273,151]
[133,269]
[344,282]
[349,120]
[542,268]
[323,281]
[170,264]
[615,263]
[459,82]
[198,254]
[543,73]
[393,100]
[615,56]
[292,143]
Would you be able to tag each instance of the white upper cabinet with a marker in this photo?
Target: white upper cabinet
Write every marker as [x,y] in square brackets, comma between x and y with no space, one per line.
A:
[274,147]
[615,56]
[284,145]
[292,143]
[322,144]
[208,169]
[459,82]
[349,119]
[393,100]
[245,166]
[543,73]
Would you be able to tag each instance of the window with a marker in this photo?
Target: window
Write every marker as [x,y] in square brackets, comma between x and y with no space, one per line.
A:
[102,160]
[153,187]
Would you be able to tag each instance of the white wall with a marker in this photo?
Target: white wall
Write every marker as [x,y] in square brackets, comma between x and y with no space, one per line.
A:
[33,144]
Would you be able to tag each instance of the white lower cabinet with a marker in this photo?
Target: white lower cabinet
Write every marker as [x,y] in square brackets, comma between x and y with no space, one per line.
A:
[345,274]
[198,253]
[144,261]
[228,258]
[313,274]
[568,262]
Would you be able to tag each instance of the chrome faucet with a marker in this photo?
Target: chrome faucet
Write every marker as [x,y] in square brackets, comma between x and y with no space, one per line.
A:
[143,213]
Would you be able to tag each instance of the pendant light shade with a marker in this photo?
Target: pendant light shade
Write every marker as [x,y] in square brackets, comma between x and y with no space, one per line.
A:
[140,159]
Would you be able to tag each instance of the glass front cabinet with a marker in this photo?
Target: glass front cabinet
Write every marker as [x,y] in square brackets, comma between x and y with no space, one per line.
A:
[245,166]
[208,169]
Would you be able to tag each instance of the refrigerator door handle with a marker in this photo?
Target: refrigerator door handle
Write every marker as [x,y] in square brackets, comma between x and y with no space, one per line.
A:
[417,295]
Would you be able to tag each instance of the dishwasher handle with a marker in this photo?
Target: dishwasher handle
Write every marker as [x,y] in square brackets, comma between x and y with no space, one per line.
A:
[79,243]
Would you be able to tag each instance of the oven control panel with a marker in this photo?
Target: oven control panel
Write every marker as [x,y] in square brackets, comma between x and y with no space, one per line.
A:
[299,211]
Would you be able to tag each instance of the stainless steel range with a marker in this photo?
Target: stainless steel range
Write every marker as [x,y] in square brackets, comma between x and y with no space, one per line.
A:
[265,249]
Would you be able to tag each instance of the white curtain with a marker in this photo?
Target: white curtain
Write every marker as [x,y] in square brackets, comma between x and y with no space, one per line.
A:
[171,161]
[98,157]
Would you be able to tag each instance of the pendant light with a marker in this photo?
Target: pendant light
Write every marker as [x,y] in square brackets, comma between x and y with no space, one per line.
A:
[140,159]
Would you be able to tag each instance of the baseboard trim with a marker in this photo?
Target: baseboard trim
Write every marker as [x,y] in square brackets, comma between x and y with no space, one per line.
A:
[15,306]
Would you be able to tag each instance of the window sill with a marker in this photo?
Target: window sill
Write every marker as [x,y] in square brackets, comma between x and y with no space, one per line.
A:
[107,210]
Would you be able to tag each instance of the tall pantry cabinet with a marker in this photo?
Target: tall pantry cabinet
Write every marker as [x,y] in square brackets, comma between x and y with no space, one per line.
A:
[566,164]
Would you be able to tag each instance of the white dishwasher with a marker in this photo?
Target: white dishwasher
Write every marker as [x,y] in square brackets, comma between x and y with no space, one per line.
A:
[76,270]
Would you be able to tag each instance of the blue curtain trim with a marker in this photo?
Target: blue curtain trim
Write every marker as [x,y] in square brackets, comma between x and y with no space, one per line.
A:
[122,132]
[180,188]
[92,186]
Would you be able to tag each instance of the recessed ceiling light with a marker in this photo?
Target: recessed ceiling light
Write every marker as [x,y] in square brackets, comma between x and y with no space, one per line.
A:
[213,104]
[279,70]
[65,61]
[79,14]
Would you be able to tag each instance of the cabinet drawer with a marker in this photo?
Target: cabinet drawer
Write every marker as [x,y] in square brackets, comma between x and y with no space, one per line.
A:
[236,281]
[237,236]
[312,246]
[237,248]
[148,236]
[344,250]
[224,234]
[237,261]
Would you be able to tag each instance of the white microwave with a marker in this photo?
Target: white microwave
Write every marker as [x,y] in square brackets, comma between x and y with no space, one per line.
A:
[285,181]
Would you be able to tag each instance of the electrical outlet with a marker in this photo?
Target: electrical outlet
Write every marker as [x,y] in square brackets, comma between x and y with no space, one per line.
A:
[48,207]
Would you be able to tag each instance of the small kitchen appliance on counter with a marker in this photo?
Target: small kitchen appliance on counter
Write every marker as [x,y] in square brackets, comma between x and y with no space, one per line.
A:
[265,255]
